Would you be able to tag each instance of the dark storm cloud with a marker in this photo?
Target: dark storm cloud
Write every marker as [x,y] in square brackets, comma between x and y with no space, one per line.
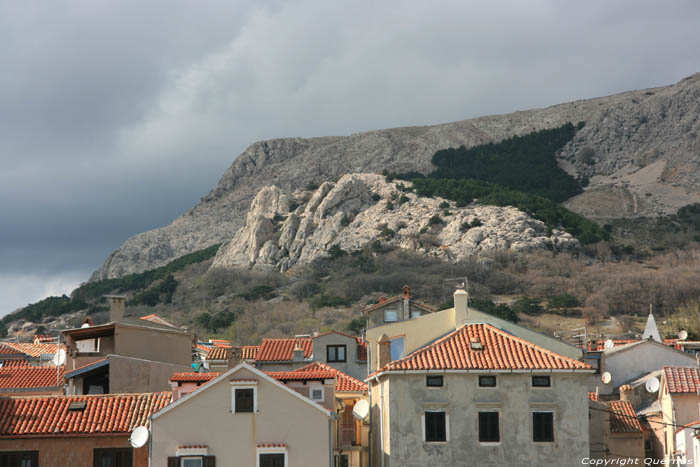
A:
[115,117]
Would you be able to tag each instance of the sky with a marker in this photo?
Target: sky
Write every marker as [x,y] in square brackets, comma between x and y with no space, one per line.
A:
[117,117]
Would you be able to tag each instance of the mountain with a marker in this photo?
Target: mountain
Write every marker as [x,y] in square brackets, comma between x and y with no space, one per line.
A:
[639,151]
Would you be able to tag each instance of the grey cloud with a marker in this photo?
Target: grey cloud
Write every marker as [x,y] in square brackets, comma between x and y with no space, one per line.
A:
[116,117]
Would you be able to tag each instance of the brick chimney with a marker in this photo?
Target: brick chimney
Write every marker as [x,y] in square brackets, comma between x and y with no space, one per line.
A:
[626,393]
[406,292]
[406,302]
[460,309]
[383,351]
[116,307]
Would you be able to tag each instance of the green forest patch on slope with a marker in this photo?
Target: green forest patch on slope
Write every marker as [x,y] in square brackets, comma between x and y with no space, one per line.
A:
[521,171]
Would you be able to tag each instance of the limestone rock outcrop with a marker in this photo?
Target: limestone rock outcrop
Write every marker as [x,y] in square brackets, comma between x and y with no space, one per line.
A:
[361,209]
[640,150]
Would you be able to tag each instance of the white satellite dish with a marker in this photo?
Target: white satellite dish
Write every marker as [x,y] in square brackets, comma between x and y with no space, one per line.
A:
[683,335]
[85,325]
[606,377]
[652,384]
[139,437]
[609,344]
[59,358]
[361,410]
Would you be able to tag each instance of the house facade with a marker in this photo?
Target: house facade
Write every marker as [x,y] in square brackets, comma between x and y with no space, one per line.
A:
[679,398]
[478,393]
[60,431]
[250,418]
[615,431]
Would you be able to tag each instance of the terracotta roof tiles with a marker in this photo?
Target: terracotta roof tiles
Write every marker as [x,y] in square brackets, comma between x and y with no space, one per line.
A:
[30,377]
[33,350]
[249,352]
[682,379]
[102,414]
[318,370]
[277,350]
[192,377]
[499,351]
[623,418]
[217,353]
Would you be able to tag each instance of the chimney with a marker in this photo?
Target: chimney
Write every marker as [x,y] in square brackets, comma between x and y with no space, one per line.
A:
[383,351]
[406,292]
[297,353]
[626,393]
[460,309]
[406,302]
[116,307]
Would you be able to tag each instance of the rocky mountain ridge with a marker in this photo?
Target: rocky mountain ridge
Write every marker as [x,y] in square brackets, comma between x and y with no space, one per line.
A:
[364,210]
[639,149]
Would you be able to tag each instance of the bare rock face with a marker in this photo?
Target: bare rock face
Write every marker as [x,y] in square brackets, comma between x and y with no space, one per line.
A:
[639,149]
[360,209]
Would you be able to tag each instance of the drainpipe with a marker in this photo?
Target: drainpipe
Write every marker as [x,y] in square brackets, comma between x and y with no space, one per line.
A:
[333,416]
[150,440]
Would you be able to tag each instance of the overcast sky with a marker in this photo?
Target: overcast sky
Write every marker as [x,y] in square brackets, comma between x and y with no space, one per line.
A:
[116,117]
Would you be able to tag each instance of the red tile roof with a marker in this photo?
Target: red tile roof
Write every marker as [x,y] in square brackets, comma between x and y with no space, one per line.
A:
[249,352]
[277,350]
[500,351]
[593,396]
[272,445]
[193,377]
[386,301]
[15,362]
[103,414]
[682,379]
[623,418]
[154,318]
[220,342]
[44,338]
[34,350]
[7,350]
[318,370]
[217,353]
[30,377]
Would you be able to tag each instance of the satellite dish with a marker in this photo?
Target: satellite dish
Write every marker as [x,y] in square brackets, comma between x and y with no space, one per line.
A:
[606,378]
[139,437]
[361,410]
[683,335]
[609,344]
[59,358]
[85,325]
[652,384]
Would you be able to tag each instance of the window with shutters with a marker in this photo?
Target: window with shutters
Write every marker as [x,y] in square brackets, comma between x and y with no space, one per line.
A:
[435,426]
[336,353]
[192,461]
[20,458]
[244,398]
[489,431]
[113,457]
[543,426]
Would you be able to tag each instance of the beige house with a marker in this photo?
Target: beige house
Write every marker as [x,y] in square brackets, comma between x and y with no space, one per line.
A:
[125,355]
[615,431]
[478,394]
[408,335]
[679,398]
[244,417]
[395,309]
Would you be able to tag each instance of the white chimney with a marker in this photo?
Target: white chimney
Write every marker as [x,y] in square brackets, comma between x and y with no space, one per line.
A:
[460,310]
[116,307]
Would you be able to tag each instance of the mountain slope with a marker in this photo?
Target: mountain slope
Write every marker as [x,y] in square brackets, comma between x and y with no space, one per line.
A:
[639,149]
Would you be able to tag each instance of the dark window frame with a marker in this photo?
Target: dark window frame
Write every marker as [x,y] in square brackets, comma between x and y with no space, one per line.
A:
[543,426]
[489,422]
[19,456]
[335,358]
[275,455]
[438,381]
[541,378]
[244,404]
[484,378]
[435,426]
[122,457]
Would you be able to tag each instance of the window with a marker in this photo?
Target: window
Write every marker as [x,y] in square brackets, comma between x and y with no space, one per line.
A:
[434,381]
[488,427]
[543,427]
[335,353]
[487,381]
[272,457]
[112,457]
[244,397]
[88,345]
[541,381]
[20,459]
[397,348]
[317,394]
[191,462]
[390,316]
[342,460]
[435,426]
